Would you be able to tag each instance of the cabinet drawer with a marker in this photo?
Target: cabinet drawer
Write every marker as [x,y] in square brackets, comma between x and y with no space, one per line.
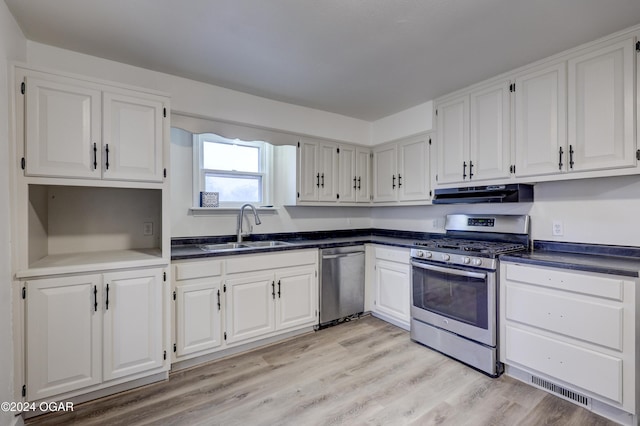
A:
[190,270]
[595,285]
[592,371]
[392,255]
[591,321]
[261,262]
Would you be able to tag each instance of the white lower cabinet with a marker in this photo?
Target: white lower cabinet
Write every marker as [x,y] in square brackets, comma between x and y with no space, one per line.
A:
[79,334]
[392,286]
[230,301]
[574,329]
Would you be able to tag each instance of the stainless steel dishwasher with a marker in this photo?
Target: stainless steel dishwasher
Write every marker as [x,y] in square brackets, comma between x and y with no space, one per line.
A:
[341,284]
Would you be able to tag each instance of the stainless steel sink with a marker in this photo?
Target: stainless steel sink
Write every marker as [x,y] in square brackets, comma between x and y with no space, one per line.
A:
[222,246]
[266,244]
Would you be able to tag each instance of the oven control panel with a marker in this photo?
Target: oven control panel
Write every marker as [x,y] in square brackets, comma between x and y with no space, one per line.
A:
[454,259]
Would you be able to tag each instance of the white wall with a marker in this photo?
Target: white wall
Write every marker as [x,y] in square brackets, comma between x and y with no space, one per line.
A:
[12,47]
[409,122]
[288,219]
[199,99]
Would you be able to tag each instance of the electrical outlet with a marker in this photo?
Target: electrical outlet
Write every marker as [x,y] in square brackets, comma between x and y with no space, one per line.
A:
[558,229]
[147,229]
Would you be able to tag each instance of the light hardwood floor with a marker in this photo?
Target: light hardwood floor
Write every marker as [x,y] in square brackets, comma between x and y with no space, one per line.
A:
[364,372]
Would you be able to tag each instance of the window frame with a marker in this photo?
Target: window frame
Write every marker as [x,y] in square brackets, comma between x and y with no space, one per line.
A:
[199,173]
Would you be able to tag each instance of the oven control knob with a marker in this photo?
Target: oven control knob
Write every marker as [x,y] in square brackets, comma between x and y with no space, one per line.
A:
[446,257]
[477,262]
[428,254]
[466,260]
[420,253]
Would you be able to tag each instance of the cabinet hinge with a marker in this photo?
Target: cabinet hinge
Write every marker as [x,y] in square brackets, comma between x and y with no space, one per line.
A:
[24,292]
[24,390]
[225,335]
[174,295]
[164,112]
[175,347]
[164,355]
[164,276]
[23,163]
[638,154]
[637,49]
[23,87]
[436,178]
[224,288]
[164,173]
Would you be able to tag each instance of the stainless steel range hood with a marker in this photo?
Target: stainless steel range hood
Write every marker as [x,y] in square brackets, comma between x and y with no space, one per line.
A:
[511,193]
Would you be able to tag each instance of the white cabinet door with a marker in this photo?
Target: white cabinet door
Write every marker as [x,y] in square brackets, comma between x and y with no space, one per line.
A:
[601,108]
[328,167]
[347,179]
[198,316]
[297,298]
[413,170]
[363,169]
[250,306]
[452,120]
[392,290]
[63,335]
[132,322]
[132,138]
[384,174]
[540,121]
[62,127]
[308,174]
[489,138]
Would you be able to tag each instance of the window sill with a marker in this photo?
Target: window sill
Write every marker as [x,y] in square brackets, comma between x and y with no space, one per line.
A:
[209,211]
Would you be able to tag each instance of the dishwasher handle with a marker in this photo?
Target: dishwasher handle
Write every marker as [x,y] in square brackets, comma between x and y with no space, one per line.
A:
[336,256]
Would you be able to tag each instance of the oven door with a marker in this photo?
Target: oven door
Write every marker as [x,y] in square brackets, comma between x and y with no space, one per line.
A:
[457,299]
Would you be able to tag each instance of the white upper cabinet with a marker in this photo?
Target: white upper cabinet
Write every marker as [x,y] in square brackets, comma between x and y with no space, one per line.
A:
[473,135]
[328,168]
[489,138]
[78,129]
[540,121]
[308,176]
[401,170]
[452,121]
[601,108]
[63,135]
[347,175]
[413,170]
[132,138]
[363,175]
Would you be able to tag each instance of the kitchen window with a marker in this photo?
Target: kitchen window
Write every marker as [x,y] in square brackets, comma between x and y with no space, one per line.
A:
[239,171]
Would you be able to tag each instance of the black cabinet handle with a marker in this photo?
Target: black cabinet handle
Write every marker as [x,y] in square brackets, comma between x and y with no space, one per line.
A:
[95,156]
[393,182]
[95,298]
[218,299]
[355,179]
[571,156]
[273,289]
[464,170]
[470,169]
[359,179]
[278,289]
[318,180]
[322,177]
[399,180]
[106,304]
[560,152]
[107,159]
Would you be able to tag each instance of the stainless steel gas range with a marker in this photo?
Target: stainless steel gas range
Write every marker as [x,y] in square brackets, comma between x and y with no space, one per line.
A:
[454,278]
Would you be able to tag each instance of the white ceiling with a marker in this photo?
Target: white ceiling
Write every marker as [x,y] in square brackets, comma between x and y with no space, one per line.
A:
[361,58]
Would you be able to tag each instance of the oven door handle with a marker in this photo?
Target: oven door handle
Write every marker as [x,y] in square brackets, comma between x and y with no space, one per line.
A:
[450,270]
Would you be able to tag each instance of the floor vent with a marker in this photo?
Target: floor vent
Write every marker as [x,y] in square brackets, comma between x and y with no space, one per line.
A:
[565,393]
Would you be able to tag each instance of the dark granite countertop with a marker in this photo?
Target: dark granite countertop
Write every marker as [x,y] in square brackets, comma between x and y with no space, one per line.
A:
[188,248]
[603,259]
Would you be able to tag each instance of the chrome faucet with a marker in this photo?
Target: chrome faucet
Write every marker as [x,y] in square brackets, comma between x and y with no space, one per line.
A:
[241,218]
